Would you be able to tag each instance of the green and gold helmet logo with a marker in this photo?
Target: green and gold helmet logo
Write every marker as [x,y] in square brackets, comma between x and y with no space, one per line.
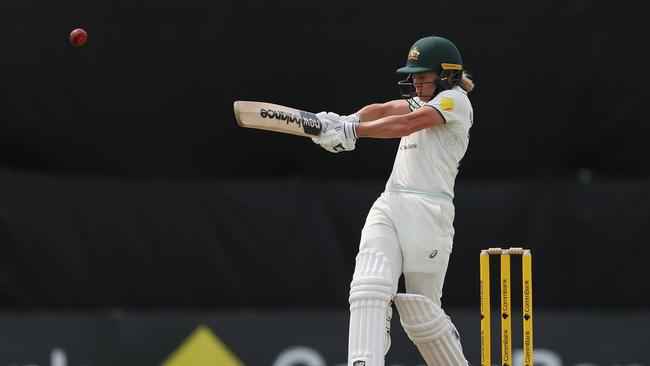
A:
[414,54]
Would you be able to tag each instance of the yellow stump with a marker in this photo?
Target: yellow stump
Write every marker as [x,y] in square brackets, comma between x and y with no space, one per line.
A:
[506,323]
[527,289]
[485,309]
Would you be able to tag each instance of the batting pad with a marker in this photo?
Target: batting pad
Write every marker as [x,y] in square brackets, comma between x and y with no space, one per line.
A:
[431,330]
[370,296]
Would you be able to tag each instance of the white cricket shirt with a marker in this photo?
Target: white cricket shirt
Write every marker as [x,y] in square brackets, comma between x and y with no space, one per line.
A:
[427,160]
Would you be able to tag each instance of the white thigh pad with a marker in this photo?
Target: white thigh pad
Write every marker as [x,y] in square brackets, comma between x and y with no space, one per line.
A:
[431,330]
[370,296]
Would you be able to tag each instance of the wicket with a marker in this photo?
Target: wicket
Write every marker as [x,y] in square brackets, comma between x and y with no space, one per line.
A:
[506,324]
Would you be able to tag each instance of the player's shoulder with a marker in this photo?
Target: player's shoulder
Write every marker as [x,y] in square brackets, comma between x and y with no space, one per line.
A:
[454,105]
[454,96]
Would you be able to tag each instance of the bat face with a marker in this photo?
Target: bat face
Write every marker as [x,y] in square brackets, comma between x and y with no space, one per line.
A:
[278,118]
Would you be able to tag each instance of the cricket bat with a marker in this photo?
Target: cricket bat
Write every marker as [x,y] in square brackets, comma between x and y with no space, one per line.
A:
[278,118]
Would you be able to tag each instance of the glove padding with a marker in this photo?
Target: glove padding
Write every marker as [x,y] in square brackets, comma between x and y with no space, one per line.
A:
[329,121]
[341,137]
[339,132]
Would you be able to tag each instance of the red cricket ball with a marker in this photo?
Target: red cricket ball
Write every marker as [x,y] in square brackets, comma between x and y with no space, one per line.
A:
[78,37]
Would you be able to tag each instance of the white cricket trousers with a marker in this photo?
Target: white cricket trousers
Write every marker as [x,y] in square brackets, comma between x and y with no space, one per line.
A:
[415,232]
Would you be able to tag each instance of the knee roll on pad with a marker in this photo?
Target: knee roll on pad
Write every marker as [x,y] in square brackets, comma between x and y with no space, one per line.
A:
[431,330]
[370,296]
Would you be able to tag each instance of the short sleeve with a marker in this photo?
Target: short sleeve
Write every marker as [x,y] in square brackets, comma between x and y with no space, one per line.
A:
[454,106]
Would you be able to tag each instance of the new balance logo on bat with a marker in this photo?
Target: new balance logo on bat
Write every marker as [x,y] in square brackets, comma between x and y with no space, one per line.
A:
[278,118]
[308,121]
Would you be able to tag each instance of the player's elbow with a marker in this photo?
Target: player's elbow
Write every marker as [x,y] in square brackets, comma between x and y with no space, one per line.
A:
[401,130]
[407,126]
[408,129]
[419,120]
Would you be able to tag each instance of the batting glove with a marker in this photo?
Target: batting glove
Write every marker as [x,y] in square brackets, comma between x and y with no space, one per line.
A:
[353,118]
[341,137]
[329,121]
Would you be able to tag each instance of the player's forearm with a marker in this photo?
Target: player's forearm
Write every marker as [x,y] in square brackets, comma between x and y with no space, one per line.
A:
[372,112]
[387,127]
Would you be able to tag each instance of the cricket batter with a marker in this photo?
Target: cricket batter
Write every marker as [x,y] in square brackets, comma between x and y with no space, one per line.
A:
[409,229]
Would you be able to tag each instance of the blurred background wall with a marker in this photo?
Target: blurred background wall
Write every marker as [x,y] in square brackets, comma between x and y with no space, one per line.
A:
[127,189]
